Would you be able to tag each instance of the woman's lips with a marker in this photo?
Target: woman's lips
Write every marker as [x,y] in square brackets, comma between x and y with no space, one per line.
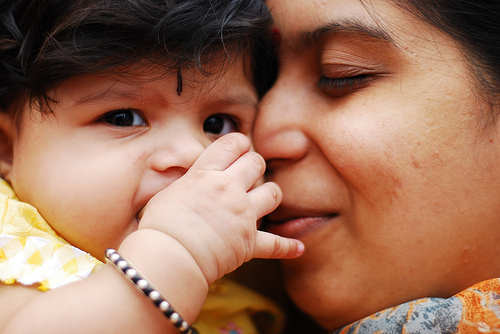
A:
[296,227]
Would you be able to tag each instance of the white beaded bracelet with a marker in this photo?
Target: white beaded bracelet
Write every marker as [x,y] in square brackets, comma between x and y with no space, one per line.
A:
[149,291]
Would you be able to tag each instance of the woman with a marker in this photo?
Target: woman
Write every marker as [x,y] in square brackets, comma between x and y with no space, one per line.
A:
[382,132]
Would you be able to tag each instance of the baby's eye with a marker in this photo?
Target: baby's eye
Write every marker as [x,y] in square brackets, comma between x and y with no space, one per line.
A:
[220,124]
[124,117]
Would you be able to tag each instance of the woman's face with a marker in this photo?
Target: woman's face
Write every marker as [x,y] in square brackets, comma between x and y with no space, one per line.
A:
[374,131]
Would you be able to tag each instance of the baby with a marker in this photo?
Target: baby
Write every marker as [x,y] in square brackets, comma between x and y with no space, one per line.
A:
[118,125]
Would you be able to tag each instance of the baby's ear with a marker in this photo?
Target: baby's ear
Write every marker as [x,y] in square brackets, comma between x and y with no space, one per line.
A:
[7,128]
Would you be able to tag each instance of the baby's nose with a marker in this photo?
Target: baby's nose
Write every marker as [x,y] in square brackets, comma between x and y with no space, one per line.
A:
[181,151]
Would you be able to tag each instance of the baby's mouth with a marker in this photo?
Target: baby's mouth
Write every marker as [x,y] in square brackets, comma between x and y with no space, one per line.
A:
[139,215]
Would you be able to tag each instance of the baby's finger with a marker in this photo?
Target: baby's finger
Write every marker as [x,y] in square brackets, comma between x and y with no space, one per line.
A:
[247,170]
[265,198]
[271,246]
[223,152]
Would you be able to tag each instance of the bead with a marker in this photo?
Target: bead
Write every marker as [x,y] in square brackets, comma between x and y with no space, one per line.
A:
[164,306]
[184,326]
[154,295]
[142,284]
[131,273]
[109,253]
[174,317]
[121,264]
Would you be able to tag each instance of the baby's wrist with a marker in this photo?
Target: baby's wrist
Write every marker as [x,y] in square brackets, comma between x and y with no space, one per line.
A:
[149,291]
[169,266]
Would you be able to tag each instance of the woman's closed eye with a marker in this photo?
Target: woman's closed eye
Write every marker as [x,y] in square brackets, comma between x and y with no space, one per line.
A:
[343,85]
[124,118]
[220,125]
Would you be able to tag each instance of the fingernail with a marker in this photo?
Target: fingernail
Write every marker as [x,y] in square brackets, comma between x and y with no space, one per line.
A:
[300,247]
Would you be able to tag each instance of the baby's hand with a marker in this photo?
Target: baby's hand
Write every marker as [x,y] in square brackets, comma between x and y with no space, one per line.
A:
[213,210]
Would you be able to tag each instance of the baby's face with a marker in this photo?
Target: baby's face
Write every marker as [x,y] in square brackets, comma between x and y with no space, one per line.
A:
[109,146]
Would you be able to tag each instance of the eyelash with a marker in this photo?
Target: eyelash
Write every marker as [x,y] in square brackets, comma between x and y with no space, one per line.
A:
[342,86]
[236,124]
[228,121]
[107,117]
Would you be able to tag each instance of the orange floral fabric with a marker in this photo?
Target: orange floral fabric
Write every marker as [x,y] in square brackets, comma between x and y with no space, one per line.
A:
[481,312]
[474,310]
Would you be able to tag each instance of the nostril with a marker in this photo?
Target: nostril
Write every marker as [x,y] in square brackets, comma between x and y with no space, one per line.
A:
[179,155]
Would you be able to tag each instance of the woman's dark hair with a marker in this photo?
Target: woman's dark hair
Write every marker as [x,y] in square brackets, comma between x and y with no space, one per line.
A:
[45,42]
[475,26]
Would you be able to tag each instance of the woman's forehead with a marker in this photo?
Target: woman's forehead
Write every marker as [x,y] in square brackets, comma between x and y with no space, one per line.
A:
[303,23]
[305,15]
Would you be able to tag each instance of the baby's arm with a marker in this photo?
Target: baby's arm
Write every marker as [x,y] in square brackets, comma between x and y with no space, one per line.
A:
[195,231]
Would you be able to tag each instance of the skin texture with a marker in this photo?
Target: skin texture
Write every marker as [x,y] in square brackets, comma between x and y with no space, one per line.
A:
[388,175]
[117,170]
[132,165]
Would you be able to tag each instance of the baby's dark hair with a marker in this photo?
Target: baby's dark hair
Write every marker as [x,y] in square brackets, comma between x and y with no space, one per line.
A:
[45,42]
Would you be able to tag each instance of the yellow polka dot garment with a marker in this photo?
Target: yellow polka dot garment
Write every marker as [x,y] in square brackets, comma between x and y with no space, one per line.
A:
[31,253]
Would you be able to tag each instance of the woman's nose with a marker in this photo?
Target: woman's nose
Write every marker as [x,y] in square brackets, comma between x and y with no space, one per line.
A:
[280,127]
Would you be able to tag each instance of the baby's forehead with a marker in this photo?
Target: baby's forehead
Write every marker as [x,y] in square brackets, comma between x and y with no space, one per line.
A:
[146,84]
[160,67]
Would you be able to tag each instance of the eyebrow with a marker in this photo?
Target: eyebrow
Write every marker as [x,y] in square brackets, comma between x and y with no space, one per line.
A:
[110,94]
[307,39]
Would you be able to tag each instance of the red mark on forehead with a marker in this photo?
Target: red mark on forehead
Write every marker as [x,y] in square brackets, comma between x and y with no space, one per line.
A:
[276,36]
